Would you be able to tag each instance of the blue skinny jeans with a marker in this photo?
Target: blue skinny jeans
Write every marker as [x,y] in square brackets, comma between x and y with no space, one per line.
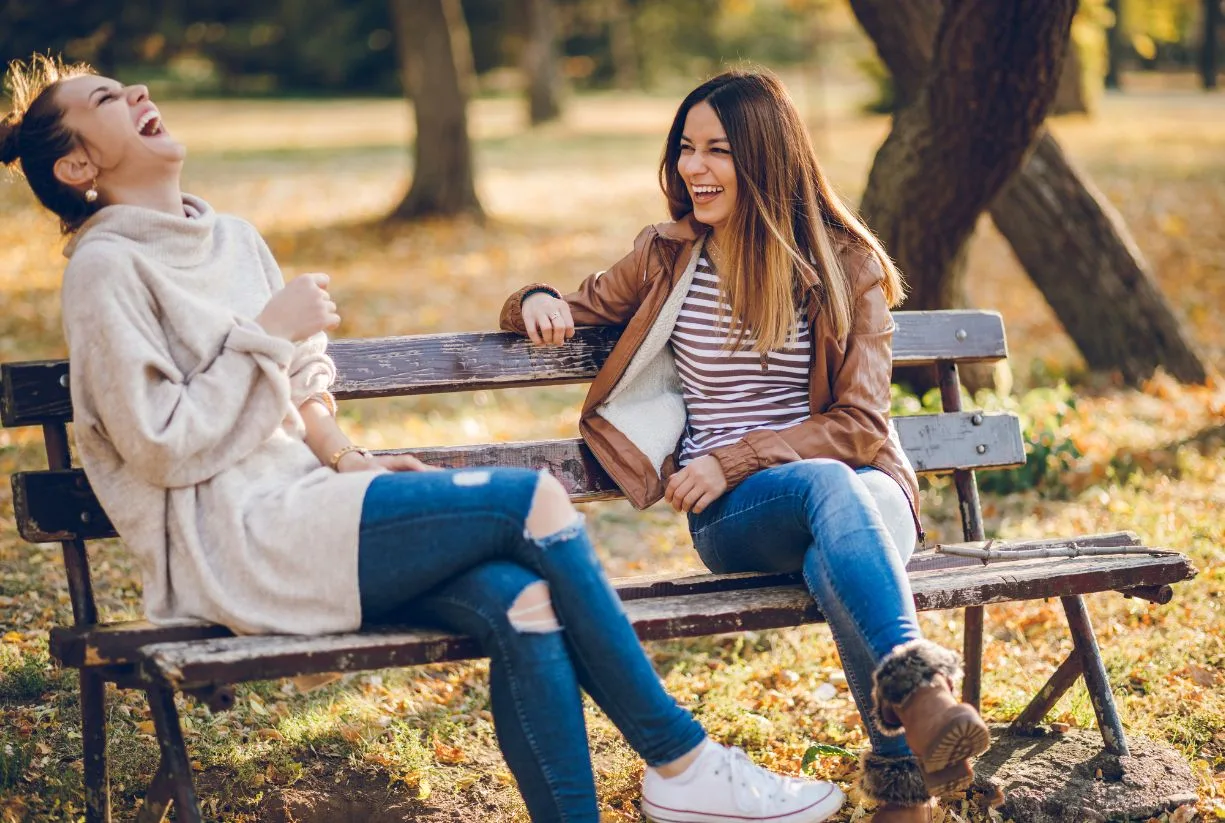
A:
[821,518]
[449,550]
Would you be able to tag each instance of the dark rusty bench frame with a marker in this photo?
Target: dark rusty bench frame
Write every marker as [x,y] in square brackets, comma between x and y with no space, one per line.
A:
[205,660]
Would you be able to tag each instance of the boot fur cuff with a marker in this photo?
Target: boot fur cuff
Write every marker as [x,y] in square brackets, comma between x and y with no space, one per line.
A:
[909,667]
[892,780]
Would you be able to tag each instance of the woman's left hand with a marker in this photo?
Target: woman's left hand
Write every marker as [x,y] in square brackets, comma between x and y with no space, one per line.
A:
[358,462]
[696,486]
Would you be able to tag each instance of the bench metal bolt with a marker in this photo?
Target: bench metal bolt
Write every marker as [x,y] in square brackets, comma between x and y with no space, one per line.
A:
[982,448]
[85,517]
[961,334]
[977,419]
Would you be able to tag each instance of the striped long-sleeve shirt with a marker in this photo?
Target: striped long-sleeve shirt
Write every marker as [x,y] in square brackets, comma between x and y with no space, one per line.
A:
[731,392]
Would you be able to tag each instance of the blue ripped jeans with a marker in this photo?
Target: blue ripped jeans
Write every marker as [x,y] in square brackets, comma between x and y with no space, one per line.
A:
[822,518]
[449,549]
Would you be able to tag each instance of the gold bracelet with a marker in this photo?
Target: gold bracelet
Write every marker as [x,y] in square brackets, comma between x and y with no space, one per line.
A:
[334,460]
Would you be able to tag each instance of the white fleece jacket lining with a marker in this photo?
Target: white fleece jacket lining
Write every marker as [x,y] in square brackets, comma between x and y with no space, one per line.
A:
[647,405]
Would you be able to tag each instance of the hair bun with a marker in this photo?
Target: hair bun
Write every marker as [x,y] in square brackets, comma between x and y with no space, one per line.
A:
[9,131]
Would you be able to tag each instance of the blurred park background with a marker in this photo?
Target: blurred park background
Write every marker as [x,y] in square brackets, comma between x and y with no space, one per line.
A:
[299,115]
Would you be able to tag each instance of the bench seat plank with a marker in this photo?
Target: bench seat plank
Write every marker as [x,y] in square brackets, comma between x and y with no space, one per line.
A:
[36,392]
[60,505]
[666,585]
[782,606]
[111,644]
[239,659]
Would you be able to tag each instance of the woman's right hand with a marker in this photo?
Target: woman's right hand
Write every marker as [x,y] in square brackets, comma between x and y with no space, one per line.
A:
[358,462]
[548,319]
[300,310]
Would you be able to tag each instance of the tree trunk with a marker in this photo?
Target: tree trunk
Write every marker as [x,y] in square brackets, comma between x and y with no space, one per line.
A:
[1069,239]
[622,46]
[540,62]
[1080,255]
[903,34]
[993,75]
[1208,52]
[436,65]
[1114,45]
[1070,96]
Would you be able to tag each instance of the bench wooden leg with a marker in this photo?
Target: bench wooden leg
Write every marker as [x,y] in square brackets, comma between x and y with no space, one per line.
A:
[175,769]
[972,652]
[1108,721]
[157,798]
[93,738]
[1063,679]
[972,529]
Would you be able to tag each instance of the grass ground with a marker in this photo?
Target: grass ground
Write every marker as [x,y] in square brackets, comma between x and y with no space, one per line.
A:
[565,200]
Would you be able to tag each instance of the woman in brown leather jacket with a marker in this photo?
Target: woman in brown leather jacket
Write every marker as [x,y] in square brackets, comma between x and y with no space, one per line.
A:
[750,389]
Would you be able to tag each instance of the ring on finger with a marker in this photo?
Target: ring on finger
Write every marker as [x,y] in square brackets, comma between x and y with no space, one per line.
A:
[555,315]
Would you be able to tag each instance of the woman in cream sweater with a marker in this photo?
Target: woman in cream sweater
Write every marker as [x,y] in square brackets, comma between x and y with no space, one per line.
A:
[203,420]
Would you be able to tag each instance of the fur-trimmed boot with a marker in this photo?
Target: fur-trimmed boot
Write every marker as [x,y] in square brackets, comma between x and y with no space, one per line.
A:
[897,786]
[912,694]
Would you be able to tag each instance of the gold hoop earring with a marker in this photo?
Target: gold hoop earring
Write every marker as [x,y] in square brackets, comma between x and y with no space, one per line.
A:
[91,194]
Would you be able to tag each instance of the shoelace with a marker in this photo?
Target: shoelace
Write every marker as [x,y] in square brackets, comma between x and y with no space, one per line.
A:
[752,786]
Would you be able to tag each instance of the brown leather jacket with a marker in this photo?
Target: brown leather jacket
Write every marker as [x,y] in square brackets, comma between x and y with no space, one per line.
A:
[849,390]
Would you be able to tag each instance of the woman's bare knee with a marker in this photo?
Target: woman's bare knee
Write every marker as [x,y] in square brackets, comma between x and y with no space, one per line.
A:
[532,612]
[551,508]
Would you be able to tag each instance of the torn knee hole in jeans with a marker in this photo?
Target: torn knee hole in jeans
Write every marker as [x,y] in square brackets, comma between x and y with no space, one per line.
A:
[532,612]
[562,535]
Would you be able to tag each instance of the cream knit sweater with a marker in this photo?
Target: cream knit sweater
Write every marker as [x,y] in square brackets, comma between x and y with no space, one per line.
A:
[187,424]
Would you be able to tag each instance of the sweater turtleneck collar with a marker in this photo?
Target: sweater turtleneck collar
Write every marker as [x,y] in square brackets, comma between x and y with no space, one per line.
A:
[178,240]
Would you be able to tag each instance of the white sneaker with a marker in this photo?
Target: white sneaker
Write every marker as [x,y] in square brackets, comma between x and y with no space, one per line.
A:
[724,786]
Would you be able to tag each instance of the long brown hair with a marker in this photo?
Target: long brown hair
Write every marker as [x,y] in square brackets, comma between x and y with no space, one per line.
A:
[787,219]
[34,135]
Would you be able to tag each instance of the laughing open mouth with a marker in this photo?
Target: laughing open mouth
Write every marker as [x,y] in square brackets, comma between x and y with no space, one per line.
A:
[150,124]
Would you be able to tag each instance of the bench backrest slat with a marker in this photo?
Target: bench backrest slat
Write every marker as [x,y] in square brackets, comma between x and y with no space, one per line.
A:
[37,392]
[59,505]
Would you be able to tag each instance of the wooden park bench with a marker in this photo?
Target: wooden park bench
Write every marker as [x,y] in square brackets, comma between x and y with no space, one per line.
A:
[205,660]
